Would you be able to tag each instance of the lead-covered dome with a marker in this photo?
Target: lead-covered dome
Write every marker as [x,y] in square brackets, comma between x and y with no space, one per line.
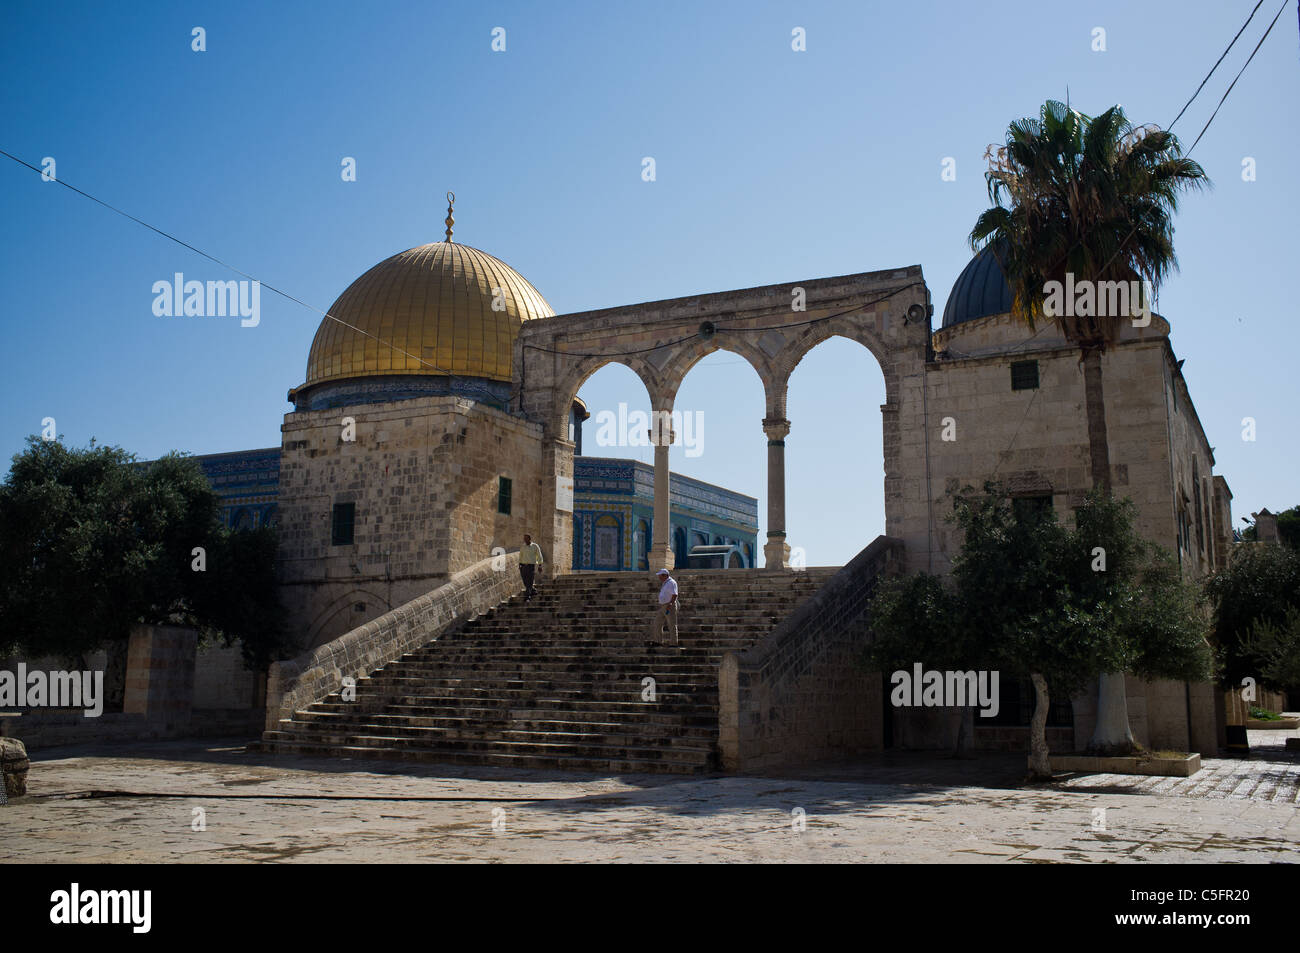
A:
[979,291]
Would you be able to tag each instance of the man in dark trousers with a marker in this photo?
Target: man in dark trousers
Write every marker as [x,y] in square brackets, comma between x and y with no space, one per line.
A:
[530,560]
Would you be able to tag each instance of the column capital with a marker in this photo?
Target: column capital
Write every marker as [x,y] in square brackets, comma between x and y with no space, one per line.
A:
[776,428]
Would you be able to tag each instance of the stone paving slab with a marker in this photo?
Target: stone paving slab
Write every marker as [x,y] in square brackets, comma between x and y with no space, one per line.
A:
[1271,773]
[894,808]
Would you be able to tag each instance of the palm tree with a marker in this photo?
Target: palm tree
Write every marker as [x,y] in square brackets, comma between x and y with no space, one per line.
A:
[1094,198]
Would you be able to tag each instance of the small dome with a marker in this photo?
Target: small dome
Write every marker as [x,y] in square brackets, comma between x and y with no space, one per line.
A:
[980,290]
[428,304]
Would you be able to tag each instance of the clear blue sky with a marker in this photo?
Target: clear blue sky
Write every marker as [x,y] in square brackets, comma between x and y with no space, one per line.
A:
[772,166]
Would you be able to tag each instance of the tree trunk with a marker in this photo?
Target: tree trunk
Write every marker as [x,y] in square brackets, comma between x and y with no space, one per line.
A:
[1095,406]
[1040,768]
[1111,737]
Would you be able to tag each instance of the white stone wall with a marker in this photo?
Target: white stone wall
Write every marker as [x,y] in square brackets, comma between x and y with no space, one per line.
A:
[221,680]
[423,474]
[1036,441]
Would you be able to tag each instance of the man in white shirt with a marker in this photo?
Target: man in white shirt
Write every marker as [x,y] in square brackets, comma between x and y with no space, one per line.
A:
[666,611]
[530,560]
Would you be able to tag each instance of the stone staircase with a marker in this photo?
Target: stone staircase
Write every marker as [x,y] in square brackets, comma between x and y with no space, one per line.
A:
[560,682]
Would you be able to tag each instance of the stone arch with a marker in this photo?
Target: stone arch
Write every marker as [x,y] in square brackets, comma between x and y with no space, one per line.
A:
[852,327]
[578,374]
[684,358]
[327,625]
[841,373]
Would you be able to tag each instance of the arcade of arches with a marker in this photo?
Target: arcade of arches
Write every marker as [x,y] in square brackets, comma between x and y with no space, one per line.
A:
[661,341]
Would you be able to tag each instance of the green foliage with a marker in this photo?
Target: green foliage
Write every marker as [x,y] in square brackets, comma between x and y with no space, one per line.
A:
[1256,601]
[1024,598]
[914,618]
[1275,647]
[1263,714]
[1288,529]
[92,542]
[1094,196]
[238,596]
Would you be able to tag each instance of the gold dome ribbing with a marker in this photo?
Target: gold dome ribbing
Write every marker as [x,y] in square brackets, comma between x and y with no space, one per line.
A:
[433,302]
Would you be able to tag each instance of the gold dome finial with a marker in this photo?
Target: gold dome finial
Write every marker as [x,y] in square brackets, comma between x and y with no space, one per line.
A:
[450,221]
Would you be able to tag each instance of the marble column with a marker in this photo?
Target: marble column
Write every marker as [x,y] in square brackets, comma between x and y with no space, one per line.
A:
[661,553]
[776,554]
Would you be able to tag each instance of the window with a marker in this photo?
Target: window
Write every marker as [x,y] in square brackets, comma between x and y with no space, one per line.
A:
[1024,375]
[1031,508]
[503,495]
[1017,701]
[640,536]
[609,545]
[1199,512]
[345,517]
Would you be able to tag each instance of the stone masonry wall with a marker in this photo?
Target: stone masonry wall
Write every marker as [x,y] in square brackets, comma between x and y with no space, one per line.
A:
[160,673]
[221,681]
[1035,441]
[801,693]
[423,475]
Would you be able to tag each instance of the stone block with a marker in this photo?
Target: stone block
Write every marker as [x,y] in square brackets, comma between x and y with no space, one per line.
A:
[160,673]
[14,765]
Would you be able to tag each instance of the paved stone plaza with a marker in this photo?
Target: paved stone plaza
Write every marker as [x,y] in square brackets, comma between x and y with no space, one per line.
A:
[137,804]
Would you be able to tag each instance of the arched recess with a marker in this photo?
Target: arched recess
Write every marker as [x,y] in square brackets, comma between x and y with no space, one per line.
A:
[834,451]
[681,546]
[607,546]
[341,616]
[641,545]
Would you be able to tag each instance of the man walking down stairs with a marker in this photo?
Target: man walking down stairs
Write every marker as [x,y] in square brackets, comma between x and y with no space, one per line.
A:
[530,561]
[666,612]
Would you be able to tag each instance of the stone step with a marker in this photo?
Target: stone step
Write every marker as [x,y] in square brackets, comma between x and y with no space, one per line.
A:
[525,694]
[681,753]
[557,682]
[555,762]
[521,719]
[453,703]
[676,680]
[477,736]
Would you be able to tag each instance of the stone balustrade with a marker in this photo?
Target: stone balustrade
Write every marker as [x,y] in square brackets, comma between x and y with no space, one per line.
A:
[801,693]
[296,683]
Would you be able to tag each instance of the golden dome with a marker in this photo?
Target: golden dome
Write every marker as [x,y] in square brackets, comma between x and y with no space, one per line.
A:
[427,311]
